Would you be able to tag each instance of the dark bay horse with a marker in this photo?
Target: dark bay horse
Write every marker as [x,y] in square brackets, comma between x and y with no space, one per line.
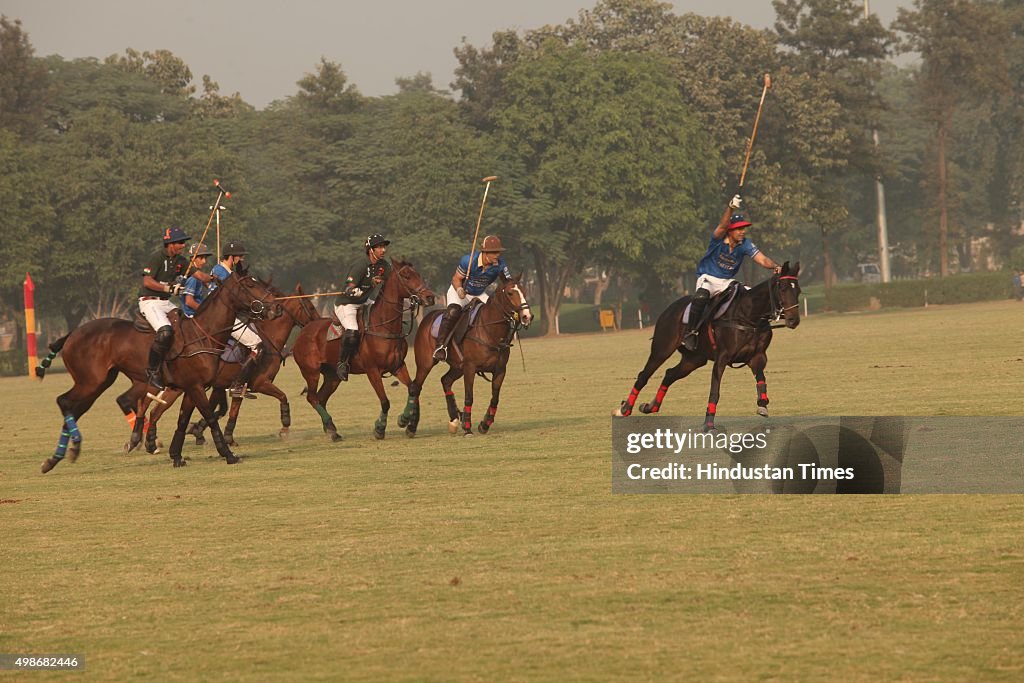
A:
[382,349]
[296,310]
[740,337]
[485,348]
[97,351]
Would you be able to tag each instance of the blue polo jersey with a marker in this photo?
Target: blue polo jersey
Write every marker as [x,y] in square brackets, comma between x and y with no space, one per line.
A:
[197,289]
[719,261]
[477,279]
[221,273]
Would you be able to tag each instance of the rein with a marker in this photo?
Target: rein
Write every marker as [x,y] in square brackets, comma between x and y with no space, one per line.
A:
[414,305]
[509,317]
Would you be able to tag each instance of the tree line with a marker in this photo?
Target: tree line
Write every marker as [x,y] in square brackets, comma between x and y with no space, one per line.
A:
[617,137]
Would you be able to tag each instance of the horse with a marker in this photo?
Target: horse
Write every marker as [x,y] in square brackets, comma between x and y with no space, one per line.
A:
[297,310]
[740,337]
[98,350]
[485,348]
[382,350]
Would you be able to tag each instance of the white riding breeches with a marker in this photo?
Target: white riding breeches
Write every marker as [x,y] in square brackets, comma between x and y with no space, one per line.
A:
[713,284]
[453,297]
[348,314]
[245,335]
[155,312]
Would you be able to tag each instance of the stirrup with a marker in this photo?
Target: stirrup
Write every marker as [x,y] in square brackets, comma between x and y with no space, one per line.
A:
[690,340]
[153,379]
[342,371]
[441,352]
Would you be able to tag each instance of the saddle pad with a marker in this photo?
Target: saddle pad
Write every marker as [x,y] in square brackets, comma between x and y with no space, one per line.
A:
[435,327]
[234,352]
[722,300]
[334,331]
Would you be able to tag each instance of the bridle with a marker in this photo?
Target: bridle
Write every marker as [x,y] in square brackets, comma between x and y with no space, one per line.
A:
[510,315]
[417,297]
[775,297]
[257,309]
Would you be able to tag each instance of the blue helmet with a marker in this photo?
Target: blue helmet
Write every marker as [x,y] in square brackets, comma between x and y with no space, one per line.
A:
[173,235]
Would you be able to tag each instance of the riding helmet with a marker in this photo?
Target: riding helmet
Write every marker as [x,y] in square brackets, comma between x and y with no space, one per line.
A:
[492,244]
[174,235]
[376,240]
[737,221]
[234,249]
[199,249]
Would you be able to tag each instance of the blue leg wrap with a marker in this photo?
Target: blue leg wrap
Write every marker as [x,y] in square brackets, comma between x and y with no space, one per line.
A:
[76,435]
[62,445]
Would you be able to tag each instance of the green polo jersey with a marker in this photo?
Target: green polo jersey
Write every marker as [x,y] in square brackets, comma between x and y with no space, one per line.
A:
[163,268]
[361,275]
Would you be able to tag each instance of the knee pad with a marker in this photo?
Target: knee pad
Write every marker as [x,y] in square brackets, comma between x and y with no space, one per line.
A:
[164,337]
[452,311]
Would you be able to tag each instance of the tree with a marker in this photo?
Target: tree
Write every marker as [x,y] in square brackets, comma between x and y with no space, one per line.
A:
[609,159]
[962,47]
[24,87]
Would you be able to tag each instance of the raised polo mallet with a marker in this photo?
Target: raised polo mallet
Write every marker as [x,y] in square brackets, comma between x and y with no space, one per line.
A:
[750,143]
[222,193]
[489,179]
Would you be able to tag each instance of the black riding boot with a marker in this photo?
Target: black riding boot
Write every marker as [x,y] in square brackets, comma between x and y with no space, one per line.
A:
[692,328]
[240,387]
[349,345]
[157,353]
[447,322]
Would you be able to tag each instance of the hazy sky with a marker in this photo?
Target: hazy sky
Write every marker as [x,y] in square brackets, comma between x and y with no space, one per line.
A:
[260,48]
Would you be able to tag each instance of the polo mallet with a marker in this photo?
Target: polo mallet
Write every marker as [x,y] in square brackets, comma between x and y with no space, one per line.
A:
[222,193]
[750,143]
[489,179]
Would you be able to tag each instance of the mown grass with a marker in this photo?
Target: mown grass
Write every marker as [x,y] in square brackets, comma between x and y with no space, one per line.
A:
[506,557]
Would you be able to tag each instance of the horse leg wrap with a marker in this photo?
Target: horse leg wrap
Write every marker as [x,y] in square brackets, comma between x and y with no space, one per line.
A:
[467,418]
[131,417]
[76,436]
[709,417]
[658,398]
[491,412]
[62,445]
[762,393]
[45,363]
[286,415]
[325,417]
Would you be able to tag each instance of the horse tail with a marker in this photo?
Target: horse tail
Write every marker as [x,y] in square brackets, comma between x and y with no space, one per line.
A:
[55,348]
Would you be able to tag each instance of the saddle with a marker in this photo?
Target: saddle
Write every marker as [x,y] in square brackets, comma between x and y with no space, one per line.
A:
[142,325]
[462,325]
[717,305]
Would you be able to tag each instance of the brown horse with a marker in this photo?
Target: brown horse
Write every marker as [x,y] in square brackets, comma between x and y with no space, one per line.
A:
[740,337]
[485,348]
[297,310]
[95,352]
[382,350]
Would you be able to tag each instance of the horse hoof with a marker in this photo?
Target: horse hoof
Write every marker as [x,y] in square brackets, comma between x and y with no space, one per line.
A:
[483,427]
[762,411]
[48,465]
[379,435]
[646,409]
[335,437]
[74,450]
[283,434]
[453,426]
[232,459]
[178,462]
[468,434]
[622,410]
[403,421]
[410,432]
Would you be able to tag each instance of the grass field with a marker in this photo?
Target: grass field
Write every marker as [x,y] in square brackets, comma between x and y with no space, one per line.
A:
[506,557]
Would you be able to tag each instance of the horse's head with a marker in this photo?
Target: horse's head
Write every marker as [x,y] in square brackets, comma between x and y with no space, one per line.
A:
[248,294]
[411,284]
[511,296]
[300,308]
[788,289]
